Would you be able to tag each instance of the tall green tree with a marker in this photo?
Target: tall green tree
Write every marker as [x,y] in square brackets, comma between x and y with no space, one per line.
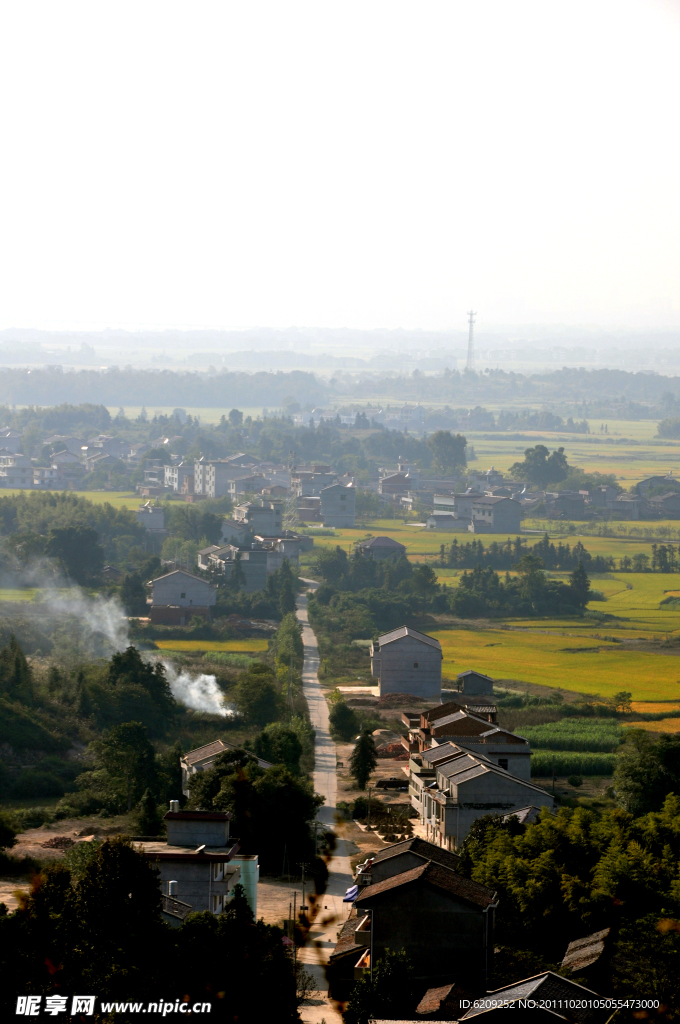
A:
[363,759]
[448,451]
[77,551]
[16,678]
[124,765]
[540,467]
[279,744]
[389,995]
[133,594]
[257,697]
[344,721]
[579,582]
[647,771]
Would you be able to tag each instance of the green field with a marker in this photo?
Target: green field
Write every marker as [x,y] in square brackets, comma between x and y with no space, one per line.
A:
[26,594]
[252,645]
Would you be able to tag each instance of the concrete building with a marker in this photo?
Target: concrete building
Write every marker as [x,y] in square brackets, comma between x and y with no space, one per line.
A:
[406,661]
[668,505]
[179,595]
[10,440]
[381,547]
[212,477]
[15,470]
[450,787]
[151,517]
[495,515]
[338,506]
[65,458]
[447,521]
[175,476]
[264,517]
[236,531]
[309,481]
[199,865]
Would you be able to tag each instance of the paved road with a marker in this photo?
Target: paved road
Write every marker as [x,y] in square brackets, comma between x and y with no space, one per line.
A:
[333,911]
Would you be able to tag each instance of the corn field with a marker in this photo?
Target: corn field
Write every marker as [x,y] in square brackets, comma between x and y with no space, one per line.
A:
[597,735]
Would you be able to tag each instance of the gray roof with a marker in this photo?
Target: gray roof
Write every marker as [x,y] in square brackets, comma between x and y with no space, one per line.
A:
[583,953]
[382,542]
[421,848]
[398,634]
[548,986]
[183,572]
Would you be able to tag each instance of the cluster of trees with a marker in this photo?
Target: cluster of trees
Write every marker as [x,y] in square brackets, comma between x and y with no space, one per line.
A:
[505,555]
[96,927]
[578,871]
[273,809]
[482,592]
[363,596]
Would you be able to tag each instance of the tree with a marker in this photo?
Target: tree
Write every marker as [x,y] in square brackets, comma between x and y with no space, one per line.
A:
[128,668]
[235,417]
[343,720]
[256,696]
[647,771]
[133,594]
[279,744]
[448,451]
[77,551]
[540,467]
[364,759]
[16,678]
[388,995]
[149,821]
[124,765]
[580,584]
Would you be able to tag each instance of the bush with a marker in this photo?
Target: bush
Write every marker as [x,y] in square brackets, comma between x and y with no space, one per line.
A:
[344,721]
[575,780]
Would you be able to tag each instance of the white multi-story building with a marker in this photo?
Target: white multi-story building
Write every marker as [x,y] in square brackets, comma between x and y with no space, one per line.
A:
[15,470]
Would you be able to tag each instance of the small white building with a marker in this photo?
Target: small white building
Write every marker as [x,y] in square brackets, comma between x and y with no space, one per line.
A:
[263,517]
[235,531]
[338,506]
[406,661]
[15,470]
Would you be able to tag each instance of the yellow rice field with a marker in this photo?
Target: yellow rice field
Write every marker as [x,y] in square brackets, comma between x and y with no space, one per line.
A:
[663,725]
[249,646]
[579,663]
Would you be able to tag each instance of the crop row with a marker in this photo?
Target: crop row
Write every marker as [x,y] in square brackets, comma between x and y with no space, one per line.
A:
[598,735]
[567,762]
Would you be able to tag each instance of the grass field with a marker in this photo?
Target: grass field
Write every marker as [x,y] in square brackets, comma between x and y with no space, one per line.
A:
[253,646]
[583,664]
[6,594]
[119,499]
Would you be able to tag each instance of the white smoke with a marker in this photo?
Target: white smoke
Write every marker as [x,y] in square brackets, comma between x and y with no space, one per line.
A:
[198,692]
[101,617]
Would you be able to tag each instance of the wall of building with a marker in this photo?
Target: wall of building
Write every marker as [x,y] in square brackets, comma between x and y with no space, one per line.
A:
[185,591]
[338,506]
[395,668]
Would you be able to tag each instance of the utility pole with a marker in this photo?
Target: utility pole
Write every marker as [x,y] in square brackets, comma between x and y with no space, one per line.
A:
[303,907]
[471,341]
[369,806]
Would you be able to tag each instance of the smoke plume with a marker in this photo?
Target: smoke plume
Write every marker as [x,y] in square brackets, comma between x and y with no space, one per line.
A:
[199,692]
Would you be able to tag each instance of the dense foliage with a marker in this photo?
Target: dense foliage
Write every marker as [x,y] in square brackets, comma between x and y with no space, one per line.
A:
[578,871]
[482,592]
[505,554]
[272,808]
[99,930]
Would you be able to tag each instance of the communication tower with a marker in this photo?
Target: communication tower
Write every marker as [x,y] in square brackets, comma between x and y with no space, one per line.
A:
[471,341]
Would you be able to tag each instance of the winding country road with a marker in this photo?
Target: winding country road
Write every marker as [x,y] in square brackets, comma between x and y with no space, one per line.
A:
[333,911]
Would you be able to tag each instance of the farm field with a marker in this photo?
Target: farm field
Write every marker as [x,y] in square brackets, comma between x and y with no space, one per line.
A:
[584,664]
[119,499]
[662,725]
[253,645]
[27,594]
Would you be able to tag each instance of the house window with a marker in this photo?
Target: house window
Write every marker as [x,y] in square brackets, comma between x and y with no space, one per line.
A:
[415,664]
[503,763]
[182,595]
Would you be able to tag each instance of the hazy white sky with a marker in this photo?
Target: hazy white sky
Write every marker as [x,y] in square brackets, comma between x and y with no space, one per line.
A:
[360,163]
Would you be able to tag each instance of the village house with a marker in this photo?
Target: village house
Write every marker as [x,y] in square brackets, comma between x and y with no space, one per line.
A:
[175,476]
[199,864]
[309,481]
[381,547]
[495,515]
[15,470]
[450,787]
[668,505]
[338,506]
[10,440]
[235,531]
[442,920]
[202,758]
[264,517]
[178,596]
[406,661]
[151,517]
[213,476]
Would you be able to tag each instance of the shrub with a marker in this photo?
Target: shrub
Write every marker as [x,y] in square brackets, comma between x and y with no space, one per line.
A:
[344,721]
[31,783]
[575,780]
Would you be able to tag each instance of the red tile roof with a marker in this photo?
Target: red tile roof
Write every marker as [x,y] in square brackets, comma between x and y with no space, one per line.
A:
[441,878]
